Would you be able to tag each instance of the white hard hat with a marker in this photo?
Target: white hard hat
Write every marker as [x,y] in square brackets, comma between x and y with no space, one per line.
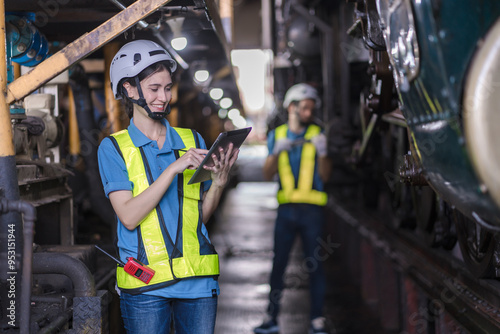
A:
[134,57]
[301,92]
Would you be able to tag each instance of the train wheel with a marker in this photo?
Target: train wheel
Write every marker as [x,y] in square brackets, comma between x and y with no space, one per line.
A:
[403,212]
[433,216]
[424,201]
[444,232]
[478,246]
[398,202]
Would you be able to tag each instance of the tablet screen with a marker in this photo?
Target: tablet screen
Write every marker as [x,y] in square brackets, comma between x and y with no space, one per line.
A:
[237,137]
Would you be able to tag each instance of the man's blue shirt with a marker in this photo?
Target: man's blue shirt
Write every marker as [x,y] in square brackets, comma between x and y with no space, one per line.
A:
[114,177]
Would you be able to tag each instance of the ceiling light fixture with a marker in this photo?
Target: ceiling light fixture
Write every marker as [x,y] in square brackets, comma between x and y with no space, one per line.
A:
[178,42]
[226,103]
[201,76]
[216,93]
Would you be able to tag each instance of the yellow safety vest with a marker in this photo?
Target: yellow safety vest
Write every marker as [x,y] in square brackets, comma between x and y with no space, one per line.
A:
[304,192]
[187,260]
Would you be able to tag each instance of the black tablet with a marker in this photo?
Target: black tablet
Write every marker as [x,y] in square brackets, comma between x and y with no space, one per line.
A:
[237,137]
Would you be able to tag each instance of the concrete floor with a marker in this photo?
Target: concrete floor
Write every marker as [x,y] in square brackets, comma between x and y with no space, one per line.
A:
[243,236]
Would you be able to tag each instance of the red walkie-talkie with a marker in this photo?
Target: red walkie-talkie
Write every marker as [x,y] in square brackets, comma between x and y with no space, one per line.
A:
[133,267]
[136,268]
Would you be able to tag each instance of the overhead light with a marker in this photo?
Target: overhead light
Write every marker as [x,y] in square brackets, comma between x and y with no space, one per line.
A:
[201,75]
[235,116]
[226,102]
[222,113]
[216,93]
[233,113]
[179,43]
[170,49]
[239,122]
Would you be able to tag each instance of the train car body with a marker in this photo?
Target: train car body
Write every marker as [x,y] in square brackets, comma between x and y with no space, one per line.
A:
[432,48]
[442,56]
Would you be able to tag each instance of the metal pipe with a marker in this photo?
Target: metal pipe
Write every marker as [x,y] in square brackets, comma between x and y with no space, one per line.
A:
[10,223]
[105,279]
[213,11]
[7,147]
[142,23]
[29,213]
[11,235]
[63,300]
[58,322]
[76,270]
[226,9]
[3,51]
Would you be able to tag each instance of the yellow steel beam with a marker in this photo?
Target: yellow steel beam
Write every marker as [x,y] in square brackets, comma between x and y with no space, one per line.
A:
[81,48]
[74,134]
[113,109]
[3,51]
[7,146]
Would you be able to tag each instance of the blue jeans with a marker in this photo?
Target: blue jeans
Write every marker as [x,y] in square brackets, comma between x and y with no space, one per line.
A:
[145,314]
[307,221]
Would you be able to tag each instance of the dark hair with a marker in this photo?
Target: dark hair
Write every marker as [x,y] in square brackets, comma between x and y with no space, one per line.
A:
[150,70]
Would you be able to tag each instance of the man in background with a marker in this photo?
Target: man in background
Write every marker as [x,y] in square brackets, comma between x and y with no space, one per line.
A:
[298,154]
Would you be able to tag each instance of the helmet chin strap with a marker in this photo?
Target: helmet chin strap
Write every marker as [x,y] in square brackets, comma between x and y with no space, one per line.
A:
[141,101]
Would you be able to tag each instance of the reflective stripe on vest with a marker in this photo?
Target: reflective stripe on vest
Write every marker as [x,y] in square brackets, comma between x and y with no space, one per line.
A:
[304,193]
[187,260]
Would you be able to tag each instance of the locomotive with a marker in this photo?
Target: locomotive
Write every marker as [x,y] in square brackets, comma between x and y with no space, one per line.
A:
[408,90]
[433,90]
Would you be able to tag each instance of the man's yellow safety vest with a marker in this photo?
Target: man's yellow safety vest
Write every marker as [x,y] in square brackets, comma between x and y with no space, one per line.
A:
[304,192]
[185,258]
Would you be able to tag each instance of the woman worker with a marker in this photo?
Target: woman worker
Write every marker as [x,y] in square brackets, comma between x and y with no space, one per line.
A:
[145,171]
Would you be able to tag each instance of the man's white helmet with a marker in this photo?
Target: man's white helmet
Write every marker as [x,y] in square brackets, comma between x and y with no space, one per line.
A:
[301,92]
[134,57]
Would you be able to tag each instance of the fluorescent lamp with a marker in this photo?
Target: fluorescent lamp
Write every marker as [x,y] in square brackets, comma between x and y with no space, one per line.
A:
[179,43]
